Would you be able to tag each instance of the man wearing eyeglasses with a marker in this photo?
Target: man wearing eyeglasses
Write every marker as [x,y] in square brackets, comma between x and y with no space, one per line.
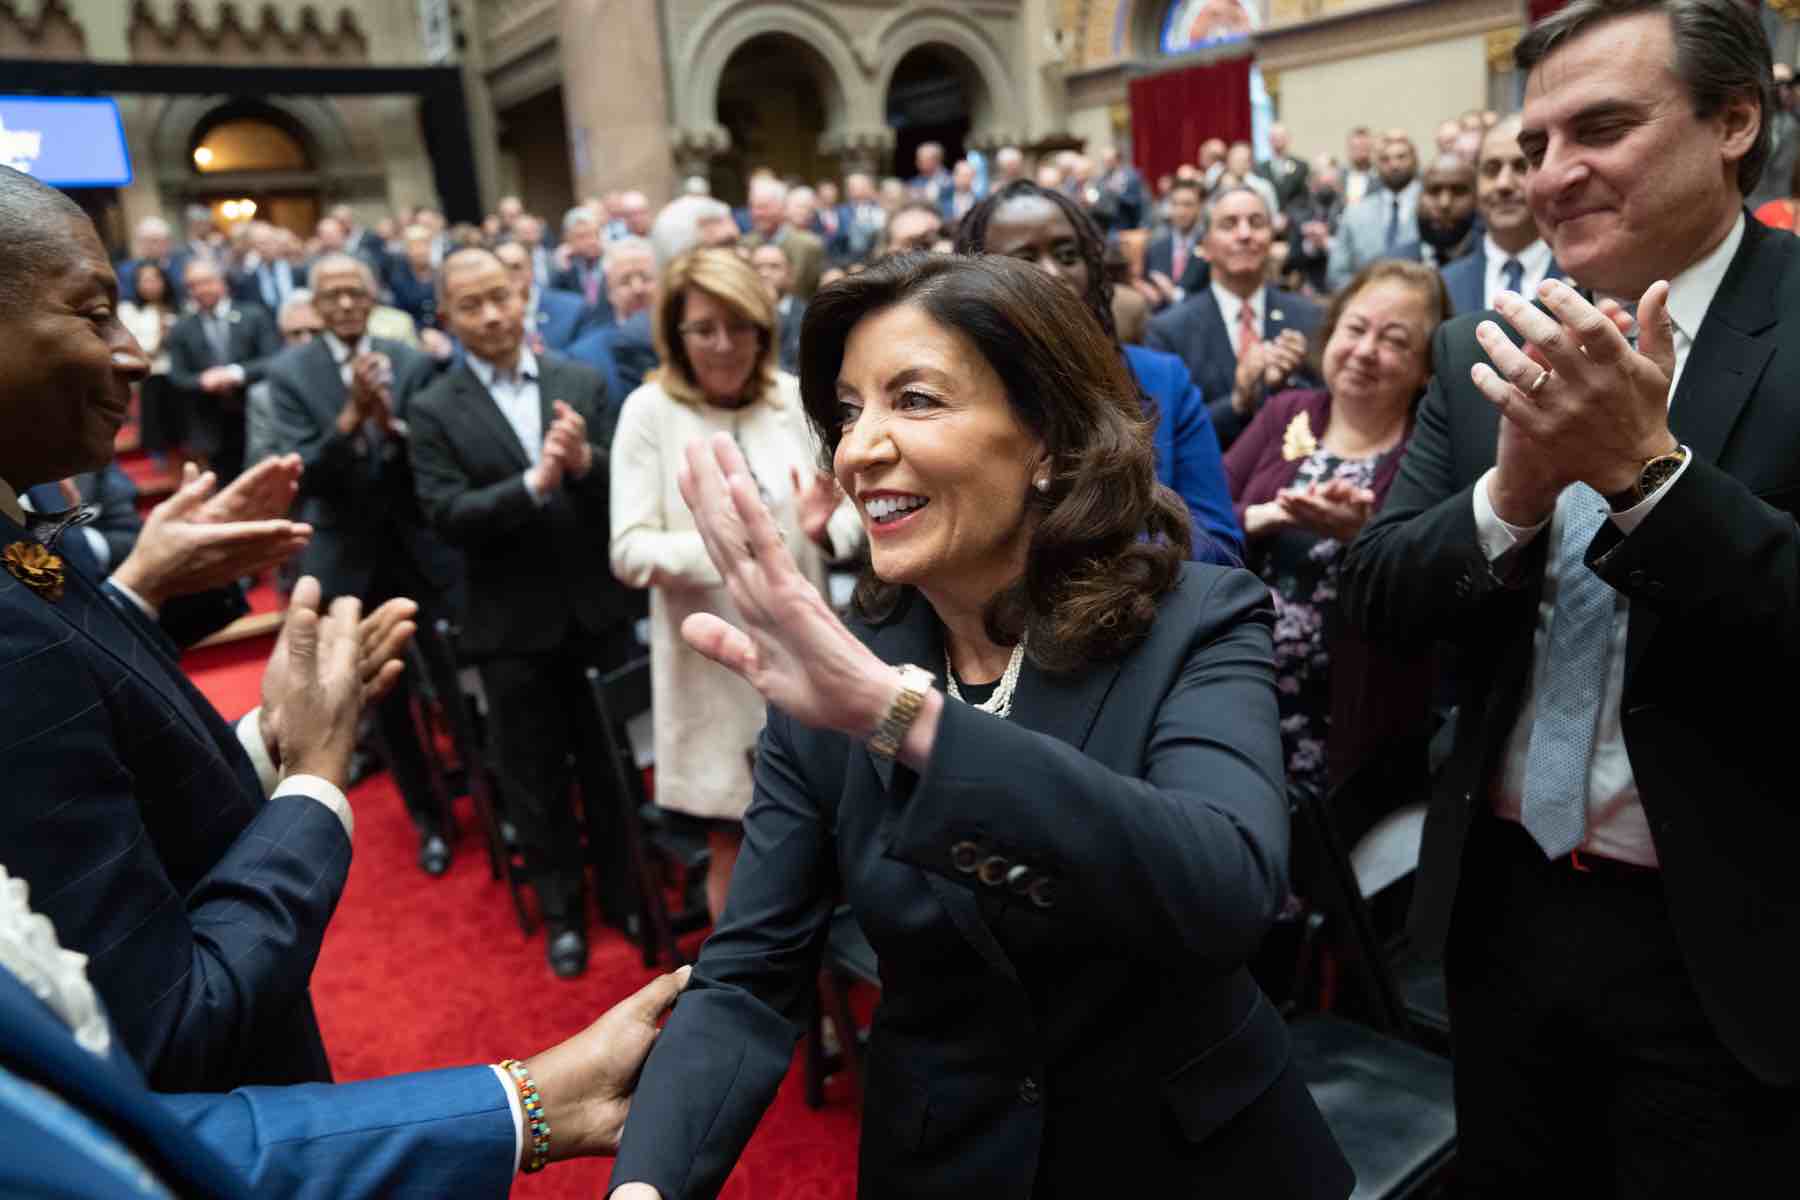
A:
[341,400]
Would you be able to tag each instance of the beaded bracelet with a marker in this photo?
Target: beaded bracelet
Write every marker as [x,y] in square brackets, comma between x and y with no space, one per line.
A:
[535,1123]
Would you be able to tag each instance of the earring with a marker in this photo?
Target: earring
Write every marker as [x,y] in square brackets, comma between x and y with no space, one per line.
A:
[1043,483]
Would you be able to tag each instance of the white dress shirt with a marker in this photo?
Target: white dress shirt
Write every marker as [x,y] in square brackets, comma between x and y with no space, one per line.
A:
[1616,825]
[1231,307]
[1535,259]
[515,394]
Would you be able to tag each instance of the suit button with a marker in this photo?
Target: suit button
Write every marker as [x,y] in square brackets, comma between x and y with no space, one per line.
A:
[1654,588]
[993,870]
[1019,878]
[964,856]
[1637,578]
[1042,892]
[1028,1090]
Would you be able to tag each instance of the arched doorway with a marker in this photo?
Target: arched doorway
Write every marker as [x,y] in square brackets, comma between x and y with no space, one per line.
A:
[933,96]
[777,97]
[250,160]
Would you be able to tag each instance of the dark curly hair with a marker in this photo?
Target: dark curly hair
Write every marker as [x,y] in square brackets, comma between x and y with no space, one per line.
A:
[971,238]
[1110,539]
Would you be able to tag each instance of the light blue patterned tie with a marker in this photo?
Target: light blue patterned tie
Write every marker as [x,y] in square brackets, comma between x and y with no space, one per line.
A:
[1554,808]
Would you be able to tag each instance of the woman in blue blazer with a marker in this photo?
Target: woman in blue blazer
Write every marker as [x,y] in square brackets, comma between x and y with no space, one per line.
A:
[1063,859]
[1047,229]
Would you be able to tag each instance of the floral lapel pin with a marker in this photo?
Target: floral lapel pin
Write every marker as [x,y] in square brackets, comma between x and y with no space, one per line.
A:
[1298,441]
[1275,314]
[33,565]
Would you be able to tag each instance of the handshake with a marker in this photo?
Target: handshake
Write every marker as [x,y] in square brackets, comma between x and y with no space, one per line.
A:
[567,453]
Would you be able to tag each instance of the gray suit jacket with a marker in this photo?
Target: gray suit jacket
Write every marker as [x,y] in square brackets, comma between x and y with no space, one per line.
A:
[1362,234]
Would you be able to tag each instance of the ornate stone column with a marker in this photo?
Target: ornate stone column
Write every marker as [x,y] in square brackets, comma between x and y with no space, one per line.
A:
[615,97]
[694,150]
[867,150]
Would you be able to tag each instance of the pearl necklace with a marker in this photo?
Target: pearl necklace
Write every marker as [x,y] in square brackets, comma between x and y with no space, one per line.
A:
[1000,703]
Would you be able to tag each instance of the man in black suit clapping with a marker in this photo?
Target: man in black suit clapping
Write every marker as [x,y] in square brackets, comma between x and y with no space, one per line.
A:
[510,454]
[1605,527]
[342,402]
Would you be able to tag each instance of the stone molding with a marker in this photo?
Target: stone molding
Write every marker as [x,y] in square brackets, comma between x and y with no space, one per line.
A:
[53,33]
[186,36]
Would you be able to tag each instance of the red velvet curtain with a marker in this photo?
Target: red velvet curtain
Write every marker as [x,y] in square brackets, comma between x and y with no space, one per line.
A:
[1172,113]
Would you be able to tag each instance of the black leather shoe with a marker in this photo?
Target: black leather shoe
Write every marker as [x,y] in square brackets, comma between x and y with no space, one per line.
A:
[434,854]
[568,952]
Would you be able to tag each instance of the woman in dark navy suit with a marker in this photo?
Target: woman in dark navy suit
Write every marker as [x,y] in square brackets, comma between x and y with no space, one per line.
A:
[1042,763]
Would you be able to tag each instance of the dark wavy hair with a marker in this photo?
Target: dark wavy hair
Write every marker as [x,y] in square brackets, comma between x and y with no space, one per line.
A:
[971,238]
[1110,540]
[1721,55]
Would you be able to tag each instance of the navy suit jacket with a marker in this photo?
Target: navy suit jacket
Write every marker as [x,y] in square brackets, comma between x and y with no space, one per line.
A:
[561,318]
[1195,274]
[1195,332]
[438,1133]
[141,827]
[1466,280]
[623,354]
[1091,1021]
[568,279]
[1187,454]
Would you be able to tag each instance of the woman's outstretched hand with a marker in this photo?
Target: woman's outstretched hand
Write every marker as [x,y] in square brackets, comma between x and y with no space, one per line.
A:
[792,648]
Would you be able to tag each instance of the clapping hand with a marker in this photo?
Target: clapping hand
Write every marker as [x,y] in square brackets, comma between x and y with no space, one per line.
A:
[816,498]
[371,388]
[195,541]
[1265,366]
[217,380]
[380,639]
[1578,403]
[1335,509]
[567,452]
[792,648]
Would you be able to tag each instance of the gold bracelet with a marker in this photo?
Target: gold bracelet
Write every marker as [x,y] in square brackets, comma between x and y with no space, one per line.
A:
[535,1123]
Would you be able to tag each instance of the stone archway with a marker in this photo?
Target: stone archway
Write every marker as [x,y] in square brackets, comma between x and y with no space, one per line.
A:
[292,197]
[828,62]
[965,48]
[776,100]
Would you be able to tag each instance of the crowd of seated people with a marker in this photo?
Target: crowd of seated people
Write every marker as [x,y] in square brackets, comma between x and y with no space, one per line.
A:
[1167,501]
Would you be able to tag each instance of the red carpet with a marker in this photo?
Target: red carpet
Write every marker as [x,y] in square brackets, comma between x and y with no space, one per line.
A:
[419,973]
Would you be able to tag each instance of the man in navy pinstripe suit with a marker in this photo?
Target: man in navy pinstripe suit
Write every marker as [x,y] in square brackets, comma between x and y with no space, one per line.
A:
[167,846]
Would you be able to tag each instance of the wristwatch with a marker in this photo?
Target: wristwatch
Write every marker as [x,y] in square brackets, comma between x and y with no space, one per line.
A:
[902,711]
[1651,477]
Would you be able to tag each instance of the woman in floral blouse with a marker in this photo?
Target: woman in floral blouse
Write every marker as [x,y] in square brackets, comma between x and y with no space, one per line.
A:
[1314,465]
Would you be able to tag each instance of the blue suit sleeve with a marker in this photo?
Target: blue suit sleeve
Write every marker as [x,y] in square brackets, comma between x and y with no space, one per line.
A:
[431,1134]
[1199,472]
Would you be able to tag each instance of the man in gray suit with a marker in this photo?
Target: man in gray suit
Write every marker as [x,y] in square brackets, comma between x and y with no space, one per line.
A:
[341,402]
[1385,219]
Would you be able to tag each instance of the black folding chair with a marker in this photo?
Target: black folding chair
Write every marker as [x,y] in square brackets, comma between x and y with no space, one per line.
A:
[1387,1099]
[473,774]
[663,848]
[848,959]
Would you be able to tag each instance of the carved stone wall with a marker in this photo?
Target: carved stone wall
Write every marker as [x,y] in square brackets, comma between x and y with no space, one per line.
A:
[224,32]
[41,29]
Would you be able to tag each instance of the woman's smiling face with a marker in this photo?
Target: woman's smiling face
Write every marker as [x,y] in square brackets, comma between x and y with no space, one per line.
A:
[937,461]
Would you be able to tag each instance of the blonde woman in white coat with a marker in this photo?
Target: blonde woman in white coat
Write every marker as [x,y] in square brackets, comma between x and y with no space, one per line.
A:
[714,329]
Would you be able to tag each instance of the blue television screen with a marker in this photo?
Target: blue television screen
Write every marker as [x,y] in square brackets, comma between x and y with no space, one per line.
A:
[66,141]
